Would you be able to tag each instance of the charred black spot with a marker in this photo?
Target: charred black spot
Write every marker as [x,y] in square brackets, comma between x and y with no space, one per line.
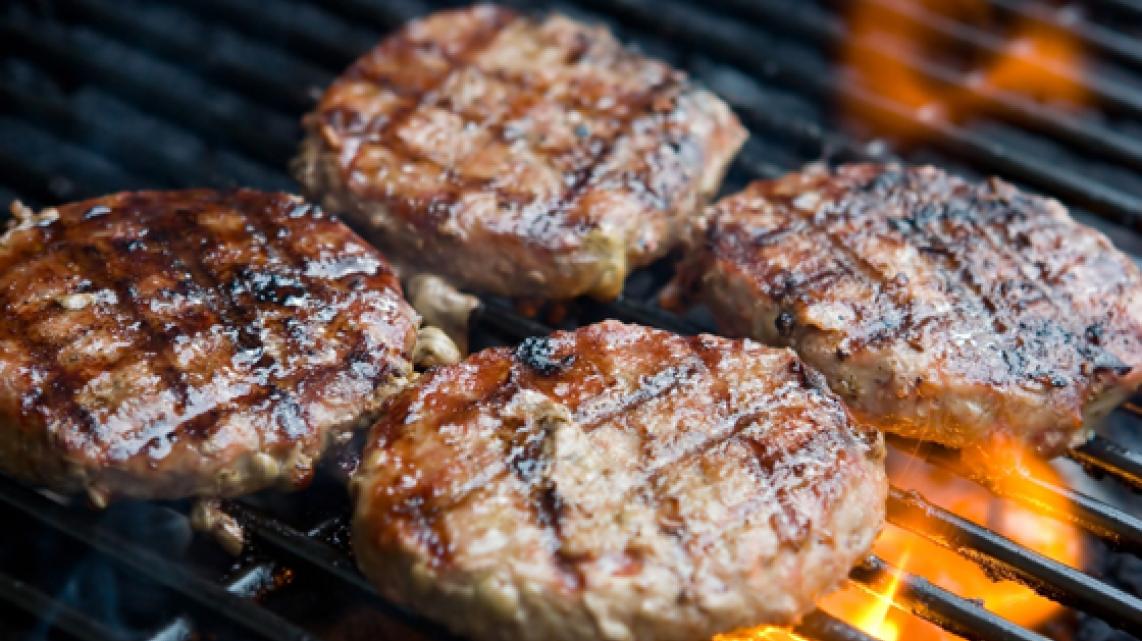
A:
[901,225]
[884,182]
[1094,334]
[287,414]
[268,287]
[926,214]
[785,324]
[538,354]
[809,377]
[96,212]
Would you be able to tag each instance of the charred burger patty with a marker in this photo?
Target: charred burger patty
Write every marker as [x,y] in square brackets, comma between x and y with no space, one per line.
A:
[616,482]
[516,156]
[938,308]
[165,344]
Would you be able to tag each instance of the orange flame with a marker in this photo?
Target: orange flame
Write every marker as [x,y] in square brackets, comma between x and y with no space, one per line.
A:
[1050,537]
[893,46]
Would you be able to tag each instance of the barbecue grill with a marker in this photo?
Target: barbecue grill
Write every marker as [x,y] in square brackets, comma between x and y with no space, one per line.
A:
[103,96]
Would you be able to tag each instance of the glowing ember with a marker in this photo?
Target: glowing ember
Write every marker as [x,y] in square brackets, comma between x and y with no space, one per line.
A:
[875,614]
[894,46]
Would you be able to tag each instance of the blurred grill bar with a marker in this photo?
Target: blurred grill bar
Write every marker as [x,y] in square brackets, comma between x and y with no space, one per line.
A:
[1002,558]
[64,618]
[207,594]
[741,45]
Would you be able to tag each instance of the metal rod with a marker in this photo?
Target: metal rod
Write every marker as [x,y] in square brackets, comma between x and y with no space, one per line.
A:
[1002,558]
[247,582]
[825,627]
[1107,457]
[500,318]
[174,576]
[918,596]
[1120,95]
[324,558]
[281,85]
[1094,36]
[815,22]
[759,53]
[54,613]
[332,562]
[218,115]
[1116,527]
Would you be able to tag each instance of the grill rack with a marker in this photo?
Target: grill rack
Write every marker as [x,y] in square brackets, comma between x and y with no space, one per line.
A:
[206,138]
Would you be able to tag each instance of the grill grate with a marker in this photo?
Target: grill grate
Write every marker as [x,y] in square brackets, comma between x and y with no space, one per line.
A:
[103,96]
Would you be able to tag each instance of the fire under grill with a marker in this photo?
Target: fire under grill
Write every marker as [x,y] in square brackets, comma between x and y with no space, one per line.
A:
[103,96]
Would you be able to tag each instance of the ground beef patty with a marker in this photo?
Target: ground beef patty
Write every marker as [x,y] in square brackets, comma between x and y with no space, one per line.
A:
[165,344]
[517,156]
[616,482]
[938,308]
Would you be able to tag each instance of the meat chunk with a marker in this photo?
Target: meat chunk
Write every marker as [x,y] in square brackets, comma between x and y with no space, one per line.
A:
[514,156]
[938,308]
[616,482]
[166,344]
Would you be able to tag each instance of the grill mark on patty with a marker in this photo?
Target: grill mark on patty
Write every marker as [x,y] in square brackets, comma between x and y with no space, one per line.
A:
[60,383]
[232,313]
[385,133]
[96,260]
[854,264]
[916,232]
[937,225]
[575,180]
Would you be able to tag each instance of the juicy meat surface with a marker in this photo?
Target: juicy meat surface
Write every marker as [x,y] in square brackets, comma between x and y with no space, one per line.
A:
[516,156]
[165,344]
[616,482]
[941,309]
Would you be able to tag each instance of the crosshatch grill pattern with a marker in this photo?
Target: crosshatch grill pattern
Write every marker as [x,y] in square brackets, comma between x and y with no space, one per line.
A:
[102,96]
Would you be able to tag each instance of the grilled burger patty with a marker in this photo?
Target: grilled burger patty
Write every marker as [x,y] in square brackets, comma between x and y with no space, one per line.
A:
[165,344]
[515,156]
[938,308]
[616,482]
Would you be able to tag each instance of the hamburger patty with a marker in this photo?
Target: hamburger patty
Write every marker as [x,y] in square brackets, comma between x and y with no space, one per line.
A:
[515,156]
[165,344]
[616,482]
[937,308]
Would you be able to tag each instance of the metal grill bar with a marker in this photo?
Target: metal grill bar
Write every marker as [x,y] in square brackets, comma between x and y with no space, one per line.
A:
[334,563]
[1119,529]
[209,109]
[63,617]
[240,612]
[1122,96]
[1094,36]
[1107,457]
[920,597]
[741,45]
[820,25]
[1002,558]
[233,63]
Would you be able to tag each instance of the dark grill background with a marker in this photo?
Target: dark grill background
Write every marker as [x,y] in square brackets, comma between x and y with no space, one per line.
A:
[99,96]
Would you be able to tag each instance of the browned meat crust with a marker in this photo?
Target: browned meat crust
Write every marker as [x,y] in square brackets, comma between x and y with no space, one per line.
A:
[514,156]
[938,308]
[616,482]
[164,344]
